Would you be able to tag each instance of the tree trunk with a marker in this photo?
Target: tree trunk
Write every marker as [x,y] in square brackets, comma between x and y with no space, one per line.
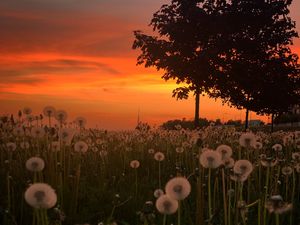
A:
[272,123]
[197,105]
[246,120]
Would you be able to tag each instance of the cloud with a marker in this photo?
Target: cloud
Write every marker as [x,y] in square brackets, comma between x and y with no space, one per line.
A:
[35,71]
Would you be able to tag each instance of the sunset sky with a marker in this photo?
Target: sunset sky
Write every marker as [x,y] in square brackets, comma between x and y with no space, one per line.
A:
[76,55]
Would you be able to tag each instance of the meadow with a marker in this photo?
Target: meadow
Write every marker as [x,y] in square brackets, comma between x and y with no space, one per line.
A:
[56,172]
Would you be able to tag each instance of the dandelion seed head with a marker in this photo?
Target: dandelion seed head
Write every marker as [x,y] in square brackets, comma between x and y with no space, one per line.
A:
[40,195]
[247,140]
[49,111]
[35,164]
[225,151]
[158,192]
[61,116]
[81,146]
[277,147]
[134,164]
[27,110]
[287,170]
[166,205]
[243,167]
[210,159]
[159,156]
[11,146]
[178,188]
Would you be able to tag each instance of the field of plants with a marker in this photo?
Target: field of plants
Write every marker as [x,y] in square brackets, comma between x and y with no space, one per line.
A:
[56,172]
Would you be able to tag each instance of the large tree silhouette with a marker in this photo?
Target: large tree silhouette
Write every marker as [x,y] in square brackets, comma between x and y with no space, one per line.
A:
[185,45]
[226,48]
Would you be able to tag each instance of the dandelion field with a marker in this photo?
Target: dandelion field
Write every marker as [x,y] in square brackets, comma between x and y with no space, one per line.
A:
[53,172]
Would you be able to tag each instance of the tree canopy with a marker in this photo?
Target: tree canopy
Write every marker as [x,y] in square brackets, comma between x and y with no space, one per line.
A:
[236,50]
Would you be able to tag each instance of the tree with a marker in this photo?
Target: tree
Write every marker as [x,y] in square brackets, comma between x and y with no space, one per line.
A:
[258,72]
[185,45]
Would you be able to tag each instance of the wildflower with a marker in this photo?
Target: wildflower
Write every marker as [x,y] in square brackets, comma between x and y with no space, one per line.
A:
[18,131]
[210,159]
[66,135]
[103,153]
[158,193]
[81,146]
[37,132]
[61,116]
[151,151]
[228,163]
[297,167]
[80,121]
[243,167]
[166,205]
[225,151]
[267,161]
[30,118]
[49,111]
[258,145]
[40,195]
[11,146]
[288,139]
[24,145]
[247,139]
[55,146]
[179,149]
[27,110]
[159,156]
[287,170]
[277,205]
[296,156]
[35,164]
[178,188]
[95,149]
[134,164]
[277,147]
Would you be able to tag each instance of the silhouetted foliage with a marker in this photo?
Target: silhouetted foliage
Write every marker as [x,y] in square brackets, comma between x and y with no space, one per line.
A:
[189,124]
[287,118]
[236,50]
[258,70]
[234,122]
[185,45]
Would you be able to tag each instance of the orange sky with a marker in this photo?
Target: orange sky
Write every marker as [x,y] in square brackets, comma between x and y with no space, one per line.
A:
[76,55]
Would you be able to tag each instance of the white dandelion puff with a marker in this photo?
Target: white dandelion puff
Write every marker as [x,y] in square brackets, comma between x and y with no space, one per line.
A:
[166,205]
[225,151]
[11,146]
[61,116]
[277,147]
[35,164]
[134,164]
[247,139]
[158,192]
[49,111]
[159,156]
[210,159]
[178,188]
[243,167]
[41,195]
[81,146]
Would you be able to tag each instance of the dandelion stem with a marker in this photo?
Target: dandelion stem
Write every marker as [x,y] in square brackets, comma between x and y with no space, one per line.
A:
[224,197]
[159,181]
[266,195]
[277,219]
[179,212]
[165,219]
[209,194]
